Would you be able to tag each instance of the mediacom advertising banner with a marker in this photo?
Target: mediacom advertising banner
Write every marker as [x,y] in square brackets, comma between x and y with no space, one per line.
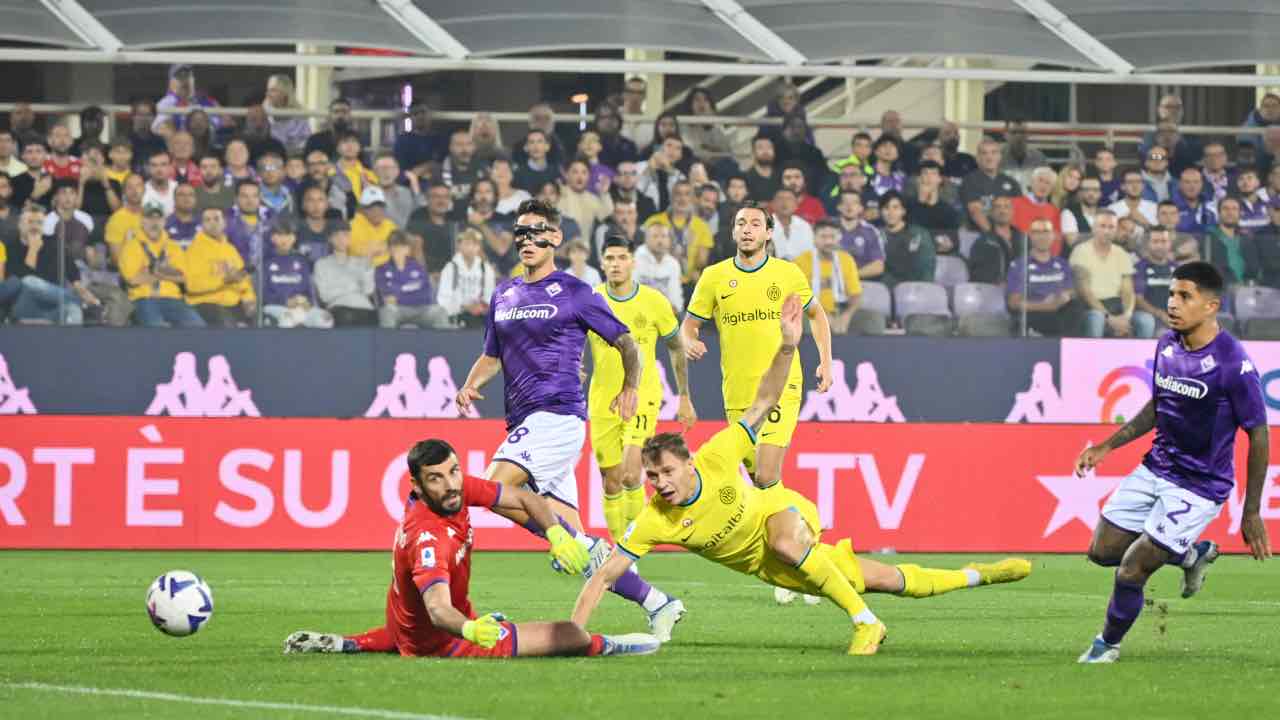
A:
[236,483]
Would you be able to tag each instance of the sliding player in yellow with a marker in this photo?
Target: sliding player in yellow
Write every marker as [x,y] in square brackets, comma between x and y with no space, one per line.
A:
[649,316]
[702,505]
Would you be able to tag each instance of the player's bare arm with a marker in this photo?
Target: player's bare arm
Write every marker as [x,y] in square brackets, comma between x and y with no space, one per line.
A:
[1251,525]
[1140,425]
[775,378]
[690,327]
[591,593]
[485,367]
[520,506]
[628,398]
[680,366]
[820,324]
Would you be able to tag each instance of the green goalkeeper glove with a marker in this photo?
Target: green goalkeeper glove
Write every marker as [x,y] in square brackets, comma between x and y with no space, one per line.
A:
[484,632]
[566,551]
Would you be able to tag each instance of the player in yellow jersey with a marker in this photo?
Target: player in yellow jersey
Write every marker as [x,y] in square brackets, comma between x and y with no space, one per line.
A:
[649,316]
[701,504]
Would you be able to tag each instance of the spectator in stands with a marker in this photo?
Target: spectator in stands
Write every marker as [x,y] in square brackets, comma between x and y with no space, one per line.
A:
[578,253]
[656,267]
[636,126]
[1266,242]
[1194,214]
[1265,115]
[404,290]
[624,221]
[419,147]
[1036,203]
[1076,219]
[509,196]
[658,175]
[120,157]
[1133,201]
[183,224]
[311,234]
[1158,184]
[851,179]
[1104,281]
[797,147]
[249,224]
[1253,206]
[691,239]
[707,206]
[467,282]
[102,278]
[549,193]
[1042,284]
[60,163]
[992,252]
[67,225]
[891,127]
[763,177]
[51,290]
[1151,279]
[862,240]
[345,284]
[615,147]
[236,161]
[786,101]
[295,171]
[400,200]
[128,219]
[1218,178]
[885,175]
[23,125]
[984,184]
[577,201]
[181,150]
[202,133]
[709,141]
[339,123]
[288,295]
[371,228]
[910,251]
[1228,248]
[291,131]
[481,211]
[1266,151]
[460,168]
[859,156]
[154,267]
[99,194]
[182,94]
[160,183]
[216,188]
[320,174]
[959,164]
[832,274]
[486,138]
[351,176]
[1067,186]
[1167,216]
[257,133]
[432,231]
[535,168]
[542,119]
[1018,158]
[1104,168]
[927,209]
[10,165]
[948,192]
[792,235]
[35,184]
[625,189]
[218,286]
[666,128]
[1183,151]
[600,176]
[807,206]
[275,194]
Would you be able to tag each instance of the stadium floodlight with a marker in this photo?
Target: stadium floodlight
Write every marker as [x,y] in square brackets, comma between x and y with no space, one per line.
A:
[746,25]
[422,27]
[83,24]
[1077,37]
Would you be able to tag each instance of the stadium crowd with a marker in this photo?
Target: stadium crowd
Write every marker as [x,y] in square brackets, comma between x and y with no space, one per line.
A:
[192,219]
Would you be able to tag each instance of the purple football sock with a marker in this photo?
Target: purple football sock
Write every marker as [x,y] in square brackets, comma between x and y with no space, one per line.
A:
[1126,604]
[632,587]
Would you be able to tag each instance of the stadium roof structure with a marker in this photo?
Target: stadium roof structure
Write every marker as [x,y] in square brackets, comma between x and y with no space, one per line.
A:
[1097,41]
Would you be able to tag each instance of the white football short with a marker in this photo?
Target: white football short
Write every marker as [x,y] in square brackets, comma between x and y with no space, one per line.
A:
[547,447]
[1173,516]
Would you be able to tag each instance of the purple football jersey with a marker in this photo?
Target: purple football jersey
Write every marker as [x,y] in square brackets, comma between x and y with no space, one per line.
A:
[1201,398]
[539,331]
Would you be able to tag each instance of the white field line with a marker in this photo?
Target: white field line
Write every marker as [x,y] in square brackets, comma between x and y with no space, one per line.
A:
[226,702]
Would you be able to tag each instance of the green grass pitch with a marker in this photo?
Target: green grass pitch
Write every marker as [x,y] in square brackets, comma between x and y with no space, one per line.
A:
[76,620]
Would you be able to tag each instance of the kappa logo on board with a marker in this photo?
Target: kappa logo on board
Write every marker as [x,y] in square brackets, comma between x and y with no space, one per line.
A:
[407,397]
[185,396]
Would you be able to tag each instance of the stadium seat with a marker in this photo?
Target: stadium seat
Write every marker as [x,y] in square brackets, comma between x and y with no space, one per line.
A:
[922,308]
[980,310]
[874,310]
[1257,311]
[950,271]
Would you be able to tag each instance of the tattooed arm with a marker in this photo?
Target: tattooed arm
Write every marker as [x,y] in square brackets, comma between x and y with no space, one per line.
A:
[1140,425]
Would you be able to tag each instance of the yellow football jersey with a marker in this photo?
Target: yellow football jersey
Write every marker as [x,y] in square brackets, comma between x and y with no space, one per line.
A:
[725,519]
[648,315]
[746,306]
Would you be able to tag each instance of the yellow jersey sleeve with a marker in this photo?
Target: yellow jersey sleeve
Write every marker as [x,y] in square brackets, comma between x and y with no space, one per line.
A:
[644,533]
[663,316]
[725,450]
[794,282]
[703,303]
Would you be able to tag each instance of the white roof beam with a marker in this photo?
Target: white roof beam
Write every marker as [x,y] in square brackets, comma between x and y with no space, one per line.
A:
[422,27]
[746,25]
[83,24]
[1072,34]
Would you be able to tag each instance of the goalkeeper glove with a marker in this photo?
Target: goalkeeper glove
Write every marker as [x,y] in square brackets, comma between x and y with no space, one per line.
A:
[484,632]
[566,551]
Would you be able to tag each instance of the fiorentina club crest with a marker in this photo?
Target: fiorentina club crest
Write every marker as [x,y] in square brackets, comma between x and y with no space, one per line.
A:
[185,396]
[407,397]
[13,399]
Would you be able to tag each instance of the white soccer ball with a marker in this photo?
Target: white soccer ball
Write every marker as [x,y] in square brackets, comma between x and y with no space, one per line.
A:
[179,603]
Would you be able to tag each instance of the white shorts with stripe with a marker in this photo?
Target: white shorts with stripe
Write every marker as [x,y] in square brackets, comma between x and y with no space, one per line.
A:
[1171,515]
[547,447]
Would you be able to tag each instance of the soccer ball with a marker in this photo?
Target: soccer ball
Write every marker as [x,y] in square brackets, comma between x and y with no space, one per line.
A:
[179,603]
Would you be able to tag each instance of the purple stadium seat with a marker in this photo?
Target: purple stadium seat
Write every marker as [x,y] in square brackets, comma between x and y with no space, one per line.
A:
[980,310]
[875,297]
[1256,302]
[920,298]
[950,271]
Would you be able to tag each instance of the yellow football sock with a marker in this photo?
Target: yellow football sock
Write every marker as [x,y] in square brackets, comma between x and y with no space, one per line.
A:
[922,582]
[842,555]
[635,502]
[823,574]
[615,509]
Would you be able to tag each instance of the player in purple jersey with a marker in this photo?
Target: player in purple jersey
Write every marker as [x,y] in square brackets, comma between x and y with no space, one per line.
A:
[535,333]
[1203,387]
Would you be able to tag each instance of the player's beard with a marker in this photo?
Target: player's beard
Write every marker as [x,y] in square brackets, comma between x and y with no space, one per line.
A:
[439,508]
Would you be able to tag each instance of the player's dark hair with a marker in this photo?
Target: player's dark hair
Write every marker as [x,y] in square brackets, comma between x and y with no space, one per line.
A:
[541,209]
[427,452]
[664,442]
[1206,277]
[618,240]
[753,205]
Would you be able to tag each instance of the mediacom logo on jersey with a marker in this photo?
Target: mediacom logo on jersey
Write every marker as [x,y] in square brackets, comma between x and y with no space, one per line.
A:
[756,315]
[1186,387]
[542,311]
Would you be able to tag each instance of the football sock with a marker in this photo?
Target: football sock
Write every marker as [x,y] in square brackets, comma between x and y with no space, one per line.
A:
[615,511]
[922,582]
[632,587]
[821,572]
[842,555]
[655,599]
[635,502]
[596,647]
[1125,605]
[378,639]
